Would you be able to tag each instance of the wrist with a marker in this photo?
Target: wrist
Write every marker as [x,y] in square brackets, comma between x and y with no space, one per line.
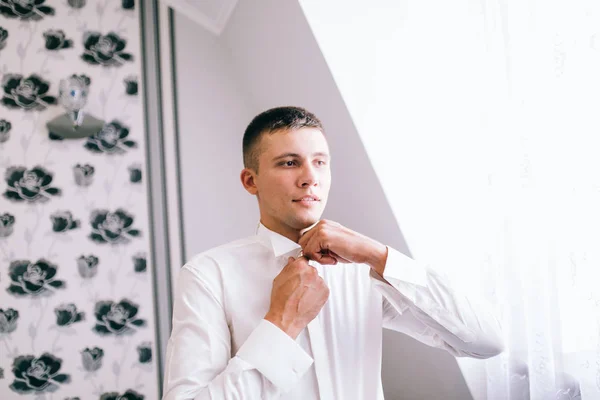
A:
[288,327]
[378,258]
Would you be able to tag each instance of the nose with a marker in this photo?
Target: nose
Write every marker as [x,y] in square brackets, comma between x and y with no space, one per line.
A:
[308,177]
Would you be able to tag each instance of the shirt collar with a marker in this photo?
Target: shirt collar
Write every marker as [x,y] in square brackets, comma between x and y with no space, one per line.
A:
[279,243]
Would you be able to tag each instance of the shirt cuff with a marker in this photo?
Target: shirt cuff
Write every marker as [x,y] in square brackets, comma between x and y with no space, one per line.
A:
[275,355]
[402,268]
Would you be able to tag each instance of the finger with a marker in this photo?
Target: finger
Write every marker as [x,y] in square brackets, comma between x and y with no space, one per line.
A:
[289,261]
[305,237]
[313,250]
[322,257]
[340,259]
[289,267]
[302,257]
[299,262]
[303,231]
[312,243]
[325,259]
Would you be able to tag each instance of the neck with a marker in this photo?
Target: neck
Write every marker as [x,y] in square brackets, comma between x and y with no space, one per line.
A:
[290,233]
[293,234]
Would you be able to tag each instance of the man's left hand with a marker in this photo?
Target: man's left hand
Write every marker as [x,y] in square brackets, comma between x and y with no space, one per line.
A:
[328,243]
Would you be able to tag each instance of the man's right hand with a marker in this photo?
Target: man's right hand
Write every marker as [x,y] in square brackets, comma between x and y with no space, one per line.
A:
[297,296]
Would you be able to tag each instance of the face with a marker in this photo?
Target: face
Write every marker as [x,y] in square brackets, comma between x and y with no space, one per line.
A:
[293,180]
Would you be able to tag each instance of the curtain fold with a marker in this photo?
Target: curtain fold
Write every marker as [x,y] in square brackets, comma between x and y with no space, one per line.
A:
[544,184]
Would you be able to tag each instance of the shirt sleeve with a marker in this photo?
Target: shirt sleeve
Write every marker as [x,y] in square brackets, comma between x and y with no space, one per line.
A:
[199,364]
[421,303]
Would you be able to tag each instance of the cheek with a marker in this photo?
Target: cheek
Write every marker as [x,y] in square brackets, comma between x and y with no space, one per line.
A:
[277,189]
[282,182]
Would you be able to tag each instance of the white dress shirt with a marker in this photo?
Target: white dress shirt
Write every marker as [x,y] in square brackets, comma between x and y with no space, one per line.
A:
[222,348]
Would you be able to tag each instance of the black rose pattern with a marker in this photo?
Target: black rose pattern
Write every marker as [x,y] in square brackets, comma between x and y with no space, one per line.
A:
[33,279]
[111,139]
[31,185]
[92,358]
[37,374]
[128,395]
[67,314]
[112,227]
[144,353]
[84,174]
[106,50]
[87,266]
[5,128]
[128,4]
[3,37]
[131,85]
[8,320]
[7,222]
[63,221]
[26,93]
[25,9]
[139,262]
[135,173]
[76,3]
[116,318]
[57,40]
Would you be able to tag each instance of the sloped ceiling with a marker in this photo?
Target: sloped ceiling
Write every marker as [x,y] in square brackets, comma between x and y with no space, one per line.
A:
[211,14]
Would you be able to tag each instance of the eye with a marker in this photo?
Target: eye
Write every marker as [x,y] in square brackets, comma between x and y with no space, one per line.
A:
[321,162]
[289,163]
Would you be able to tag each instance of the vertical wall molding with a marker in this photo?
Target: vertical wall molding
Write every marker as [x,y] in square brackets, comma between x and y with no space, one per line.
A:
[163,176]
[171,138]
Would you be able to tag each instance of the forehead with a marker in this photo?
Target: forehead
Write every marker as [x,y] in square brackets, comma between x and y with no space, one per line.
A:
[302,141]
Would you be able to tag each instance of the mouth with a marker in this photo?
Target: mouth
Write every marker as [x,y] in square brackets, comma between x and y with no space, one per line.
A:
[307,199]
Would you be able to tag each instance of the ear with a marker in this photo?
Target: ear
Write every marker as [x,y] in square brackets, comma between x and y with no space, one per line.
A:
[248,178]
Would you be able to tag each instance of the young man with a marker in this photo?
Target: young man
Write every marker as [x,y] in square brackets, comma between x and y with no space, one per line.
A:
[296,311]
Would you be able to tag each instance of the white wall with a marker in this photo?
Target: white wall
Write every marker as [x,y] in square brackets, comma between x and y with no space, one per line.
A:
[268,57]
[213,112]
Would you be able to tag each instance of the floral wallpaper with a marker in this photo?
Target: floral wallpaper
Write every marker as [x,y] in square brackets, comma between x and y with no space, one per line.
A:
[76,301]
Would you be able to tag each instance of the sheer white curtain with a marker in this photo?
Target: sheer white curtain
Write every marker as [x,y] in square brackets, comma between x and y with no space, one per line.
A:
[542,264]
[482,120]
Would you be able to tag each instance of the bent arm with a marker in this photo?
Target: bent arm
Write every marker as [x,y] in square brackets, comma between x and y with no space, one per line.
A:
[422,304]
[199,363]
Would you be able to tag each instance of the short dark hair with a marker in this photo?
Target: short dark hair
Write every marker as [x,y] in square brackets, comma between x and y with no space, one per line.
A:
[271,121]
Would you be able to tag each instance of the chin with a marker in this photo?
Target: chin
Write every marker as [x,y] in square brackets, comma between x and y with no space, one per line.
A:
[306,221]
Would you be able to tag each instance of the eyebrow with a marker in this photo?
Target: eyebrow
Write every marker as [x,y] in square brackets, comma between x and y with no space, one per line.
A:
[285,155]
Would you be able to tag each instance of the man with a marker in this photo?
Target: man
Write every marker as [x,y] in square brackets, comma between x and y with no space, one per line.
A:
[296,311]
